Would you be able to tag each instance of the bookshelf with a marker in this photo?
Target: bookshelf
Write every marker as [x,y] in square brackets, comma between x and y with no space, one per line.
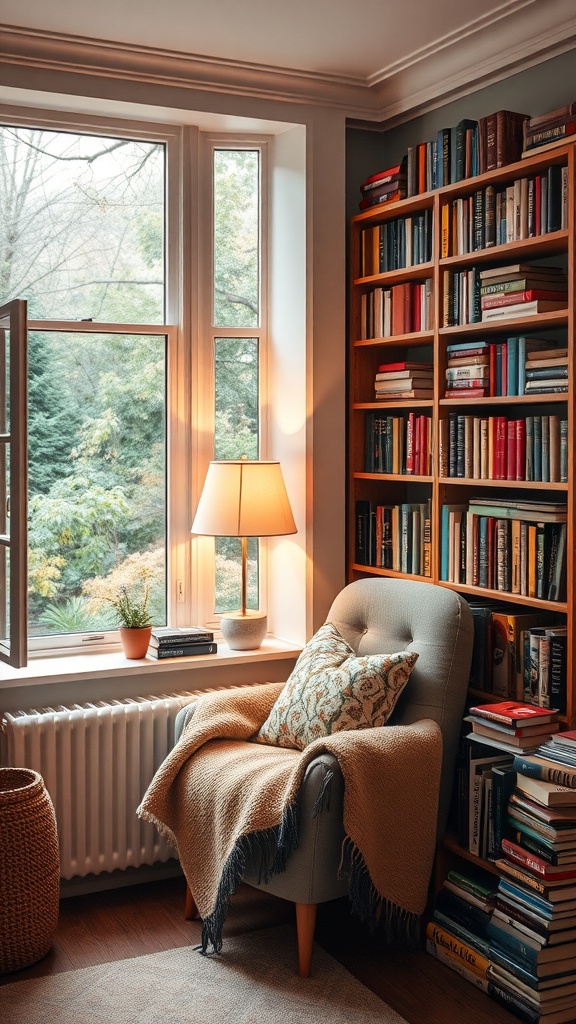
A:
[410,502]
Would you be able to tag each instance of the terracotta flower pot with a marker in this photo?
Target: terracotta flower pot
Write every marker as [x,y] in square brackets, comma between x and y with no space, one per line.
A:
[135,641]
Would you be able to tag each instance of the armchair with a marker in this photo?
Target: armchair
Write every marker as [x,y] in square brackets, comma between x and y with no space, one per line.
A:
[375,616]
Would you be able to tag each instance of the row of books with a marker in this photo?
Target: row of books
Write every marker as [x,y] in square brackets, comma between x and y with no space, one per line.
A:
[181,642]
[519,655]
[463,150]
[547,129]
[493,215]
[515,547]
[398,444]
[498,448]
[396,244]
[394,537]
[401,309]
[507,368]
[513,934]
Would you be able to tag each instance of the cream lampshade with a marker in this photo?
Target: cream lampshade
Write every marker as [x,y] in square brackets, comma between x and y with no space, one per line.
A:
[244,498]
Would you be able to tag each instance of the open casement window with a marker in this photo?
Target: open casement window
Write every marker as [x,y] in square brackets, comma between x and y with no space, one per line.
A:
[13,485]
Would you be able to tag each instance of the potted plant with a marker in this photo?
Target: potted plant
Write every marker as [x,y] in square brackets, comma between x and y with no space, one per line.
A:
[134,620]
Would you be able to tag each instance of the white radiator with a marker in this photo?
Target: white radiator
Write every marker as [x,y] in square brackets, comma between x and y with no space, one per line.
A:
[97,761]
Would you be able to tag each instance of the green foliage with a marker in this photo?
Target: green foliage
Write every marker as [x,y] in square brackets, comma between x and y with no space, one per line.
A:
[73,616]
[132,612]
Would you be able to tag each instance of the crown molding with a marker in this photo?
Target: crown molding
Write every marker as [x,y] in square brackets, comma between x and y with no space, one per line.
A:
[518,35]
[23,47]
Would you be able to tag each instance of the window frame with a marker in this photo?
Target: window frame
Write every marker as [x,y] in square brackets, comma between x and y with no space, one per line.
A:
[190,335]
[204,547]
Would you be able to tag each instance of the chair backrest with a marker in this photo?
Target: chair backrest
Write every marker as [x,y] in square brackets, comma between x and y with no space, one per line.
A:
[382,616]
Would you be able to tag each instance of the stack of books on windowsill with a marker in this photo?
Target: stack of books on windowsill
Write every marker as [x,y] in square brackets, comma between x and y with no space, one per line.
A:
[532,932]
[542,289]
[180,642]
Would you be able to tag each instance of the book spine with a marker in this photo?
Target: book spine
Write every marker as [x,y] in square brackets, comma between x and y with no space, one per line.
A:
[560,776]
[188,650]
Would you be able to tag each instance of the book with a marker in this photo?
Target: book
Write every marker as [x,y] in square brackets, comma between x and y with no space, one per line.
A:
[513,713]
[533,308]
[500,300]
[556,892]
[458,964]
[537,865]
[550,794]
[167,636]
[182,650]
[537,766]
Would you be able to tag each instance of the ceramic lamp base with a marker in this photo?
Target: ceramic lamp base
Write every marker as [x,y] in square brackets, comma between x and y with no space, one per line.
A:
[243,632]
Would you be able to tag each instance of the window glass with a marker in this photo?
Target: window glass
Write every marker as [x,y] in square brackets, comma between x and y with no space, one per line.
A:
[236,238]
[82,226]
[97,469]
[235,435]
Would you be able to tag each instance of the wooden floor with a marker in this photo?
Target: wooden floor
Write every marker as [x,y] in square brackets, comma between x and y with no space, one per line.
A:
[143,919]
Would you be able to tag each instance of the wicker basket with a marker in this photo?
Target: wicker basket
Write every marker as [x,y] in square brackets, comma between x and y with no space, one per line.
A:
[29,869]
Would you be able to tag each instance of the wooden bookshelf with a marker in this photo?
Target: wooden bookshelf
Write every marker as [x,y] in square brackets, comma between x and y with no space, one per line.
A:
[429,345]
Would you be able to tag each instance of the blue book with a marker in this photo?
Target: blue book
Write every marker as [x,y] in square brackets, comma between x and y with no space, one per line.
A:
[512,366]
[461,346]
[521,364]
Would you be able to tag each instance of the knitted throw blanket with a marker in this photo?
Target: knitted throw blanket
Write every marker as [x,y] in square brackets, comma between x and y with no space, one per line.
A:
[219,799]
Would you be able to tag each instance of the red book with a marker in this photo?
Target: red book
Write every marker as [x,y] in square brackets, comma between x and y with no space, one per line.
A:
[536,865]
[410,439]
[511,298]
[520,449]
[398,309]
[511,711]
[492,368]
[382,176]
[389,367]
[471,392]
[511,450]
[422,446]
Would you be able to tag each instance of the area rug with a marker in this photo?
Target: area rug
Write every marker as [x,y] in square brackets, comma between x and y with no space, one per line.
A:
[253,981]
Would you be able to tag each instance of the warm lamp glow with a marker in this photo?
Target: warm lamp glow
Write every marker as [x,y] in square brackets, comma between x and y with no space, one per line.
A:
[244,499]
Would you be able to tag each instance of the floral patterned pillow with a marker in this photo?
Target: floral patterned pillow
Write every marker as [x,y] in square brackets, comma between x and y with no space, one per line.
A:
[330,689]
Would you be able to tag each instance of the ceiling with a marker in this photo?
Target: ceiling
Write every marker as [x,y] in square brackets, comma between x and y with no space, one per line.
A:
[384,47]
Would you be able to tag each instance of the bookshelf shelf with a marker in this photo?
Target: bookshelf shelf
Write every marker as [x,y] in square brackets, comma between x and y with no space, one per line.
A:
[436,489]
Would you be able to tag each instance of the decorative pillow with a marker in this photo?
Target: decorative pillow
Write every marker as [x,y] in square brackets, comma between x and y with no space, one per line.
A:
[330,689]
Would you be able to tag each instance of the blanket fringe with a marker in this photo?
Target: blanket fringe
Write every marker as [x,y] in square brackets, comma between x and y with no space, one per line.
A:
[270,850]
[322,802]
[400,927]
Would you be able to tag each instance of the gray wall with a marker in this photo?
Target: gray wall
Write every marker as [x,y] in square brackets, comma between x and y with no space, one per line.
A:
[536,91]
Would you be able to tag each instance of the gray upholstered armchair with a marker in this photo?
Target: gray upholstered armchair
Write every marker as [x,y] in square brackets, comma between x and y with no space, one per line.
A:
[375,616]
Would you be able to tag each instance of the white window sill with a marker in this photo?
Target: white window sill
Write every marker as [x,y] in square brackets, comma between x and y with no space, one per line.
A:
[112,664]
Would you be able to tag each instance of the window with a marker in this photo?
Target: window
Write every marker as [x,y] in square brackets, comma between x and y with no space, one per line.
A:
[238,337]
[92,241]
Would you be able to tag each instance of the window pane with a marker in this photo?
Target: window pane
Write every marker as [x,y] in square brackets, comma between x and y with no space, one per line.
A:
[236,434]
[82,226]
[97,471]
[236,238]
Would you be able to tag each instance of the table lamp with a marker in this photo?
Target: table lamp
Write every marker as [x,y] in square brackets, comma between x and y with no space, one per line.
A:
[244,498]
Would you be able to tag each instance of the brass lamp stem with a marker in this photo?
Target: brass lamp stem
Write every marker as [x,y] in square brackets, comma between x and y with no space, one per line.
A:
[244,574]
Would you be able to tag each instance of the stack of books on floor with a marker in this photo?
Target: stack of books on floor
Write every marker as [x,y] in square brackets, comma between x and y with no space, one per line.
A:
[532,931]
[404,380]
[457,934]
[544,290]
[386,186]
[181,642]
[549,130]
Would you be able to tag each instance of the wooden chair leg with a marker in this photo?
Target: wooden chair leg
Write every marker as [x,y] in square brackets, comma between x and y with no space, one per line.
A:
[305,923]
[190,908]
